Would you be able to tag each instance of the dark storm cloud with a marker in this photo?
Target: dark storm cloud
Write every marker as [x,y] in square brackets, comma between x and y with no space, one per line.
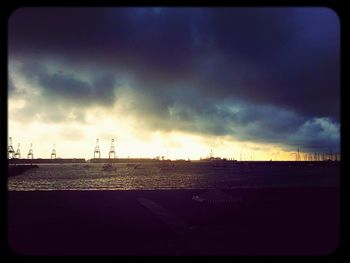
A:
[236,118]
[66,85]
[295,50]
[184,62]
[63,85]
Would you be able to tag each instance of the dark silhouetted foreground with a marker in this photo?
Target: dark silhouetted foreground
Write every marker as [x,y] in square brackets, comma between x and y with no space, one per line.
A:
[257,221]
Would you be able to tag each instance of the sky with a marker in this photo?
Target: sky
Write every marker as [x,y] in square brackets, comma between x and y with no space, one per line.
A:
[248,83]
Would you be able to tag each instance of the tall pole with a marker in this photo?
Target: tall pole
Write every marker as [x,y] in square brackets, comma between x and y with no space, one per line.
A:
[297,157]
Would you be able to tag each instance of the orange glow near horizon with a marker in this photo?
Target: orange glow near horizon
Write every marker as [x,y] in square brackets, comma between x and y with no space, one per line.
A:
[74,140]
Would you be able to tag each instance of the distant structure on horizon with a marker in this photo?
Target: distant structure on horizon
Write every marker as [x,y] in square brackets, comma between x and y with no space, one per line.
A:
[18,152]
[112,150]
[10,150]
[30,154]
[212,158]
[318,157]
[53,153]
[97,150]
[299,155]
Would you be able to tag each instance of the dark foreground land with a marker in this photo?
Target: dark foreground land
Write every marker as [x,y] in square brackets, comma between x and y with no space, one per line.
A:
[260,221]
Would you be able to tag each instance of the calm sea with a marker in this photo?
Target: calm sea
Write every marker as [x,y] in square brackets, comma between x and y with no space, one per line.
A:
[124,176]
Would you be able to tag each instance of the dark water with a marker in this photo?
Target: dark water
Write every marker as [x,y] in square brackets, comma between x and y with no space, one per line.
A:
[124,176]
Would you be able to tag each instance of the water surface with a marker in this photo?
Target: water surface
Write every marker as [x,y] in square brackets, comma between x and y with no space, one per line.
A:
[182,176]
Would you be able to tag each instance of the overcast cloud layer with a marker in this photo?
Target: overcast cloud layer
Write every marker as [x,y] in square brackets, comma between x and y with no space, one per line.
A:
[256,74]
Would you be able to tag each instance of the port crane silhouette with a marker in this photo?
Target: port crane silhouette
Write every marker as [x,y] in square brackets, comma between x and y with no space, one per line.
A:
[18,152]
[112,150]
[97,149]
[30,154]
[10,150]
[53,153]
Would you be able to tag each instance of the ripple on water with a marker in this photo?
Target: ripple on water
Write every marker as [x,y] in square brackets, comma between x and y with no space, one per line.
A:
[93,177]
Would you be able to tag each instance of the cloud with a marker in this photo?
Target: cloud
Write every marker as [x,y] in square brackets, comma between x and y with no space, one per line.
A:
[259,74]
[318,134]
[11,86]
[282,56]
[72,133]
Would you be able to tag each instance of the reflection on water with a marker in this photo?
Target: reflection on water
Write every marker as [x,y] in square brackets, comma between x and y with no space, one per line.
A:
[124,176]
